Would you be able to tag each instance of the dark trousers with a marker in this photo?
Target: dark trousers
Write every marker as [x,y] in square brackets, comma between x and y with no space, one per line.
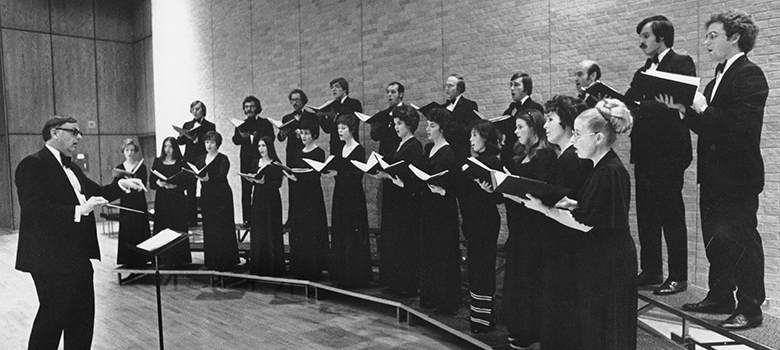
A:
[246,200]
[659,207]
[192,203]
[733,247]
[67,304]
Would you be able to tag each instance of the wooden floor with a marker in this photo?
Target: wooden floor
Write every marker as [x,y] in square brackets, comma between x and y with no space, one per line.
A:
[197,316]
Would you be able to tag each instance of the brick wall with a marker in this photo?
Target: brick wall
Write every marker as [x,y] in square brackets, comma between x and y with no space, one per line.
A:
[268,47]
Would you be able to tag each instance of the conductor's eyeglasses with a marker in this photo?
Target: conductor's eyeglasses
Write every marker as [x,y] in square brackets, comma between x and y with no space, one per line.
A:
[75,132]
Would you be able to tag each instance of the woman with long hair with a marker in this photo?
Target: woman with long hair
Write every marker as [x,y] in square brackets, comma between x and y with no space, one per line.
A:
[522,300]
[481,223]
[266,256]
[168,198]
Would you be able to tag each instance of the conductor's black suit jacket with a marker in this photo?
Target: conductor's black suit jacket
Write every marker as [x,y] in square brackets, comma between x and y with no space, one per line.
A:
[49,239]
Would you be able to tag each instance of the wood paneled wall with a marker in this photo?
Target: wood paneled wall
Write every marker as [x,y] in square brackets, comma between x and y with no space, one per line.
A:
[90,59]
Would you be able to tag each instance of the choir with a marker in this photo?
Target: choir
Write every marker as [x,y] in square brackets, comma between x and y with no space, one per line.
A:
[570,263]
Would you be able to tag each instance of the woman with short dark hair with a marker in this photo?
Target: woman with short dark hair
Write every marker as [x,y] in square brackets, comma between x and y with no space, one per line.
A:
[351,264]
[220,247]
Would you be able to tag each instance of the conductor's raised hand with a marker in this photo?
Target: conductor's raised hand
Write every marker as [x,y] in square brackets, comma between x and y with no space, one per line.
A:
[132,184]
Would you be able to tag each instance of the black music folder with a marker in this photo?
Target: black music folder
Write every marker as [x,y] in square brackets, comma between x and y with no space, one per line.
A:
[681,87]
[519,186]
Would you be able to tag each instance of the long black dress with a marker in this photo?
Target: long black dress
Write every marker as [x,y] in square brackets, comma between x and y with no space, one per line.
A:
[481,223]
[560,316]
[606,259]
[220,247]
[439,235]
[308,220]
[399,233]
[522,302]
[169,211]
[266,257]
[133,227]
[351,263]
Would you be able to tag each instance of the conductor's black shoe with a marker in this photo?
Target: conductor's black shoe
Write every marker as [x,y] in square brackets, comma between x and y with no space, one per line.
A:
[671,287]
[739,321]
[709,306]
[645,279]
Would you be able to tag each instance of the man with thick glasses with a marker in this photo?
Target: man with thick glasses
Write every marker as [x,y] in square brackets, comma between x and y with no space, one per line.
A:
[57,235]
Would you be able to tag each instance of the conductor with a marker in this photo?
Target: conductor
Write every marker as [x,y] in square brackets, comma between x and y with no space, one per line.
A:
[57,235]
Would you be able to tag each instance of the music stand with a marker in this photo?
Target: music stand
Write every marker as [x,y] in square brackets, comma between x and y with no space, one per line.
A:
[153,247]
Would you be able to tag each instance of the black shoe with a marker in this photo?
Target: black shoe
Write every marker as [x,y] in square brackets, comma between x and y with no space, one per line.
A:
[739,321]
[645,279]
[708,306]
[671,287]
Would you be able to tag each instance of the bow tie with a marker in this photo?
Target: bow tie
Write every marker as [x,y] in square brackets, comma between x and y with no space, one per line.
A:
[65,160]
[450,102]
[654,59]
[719,68]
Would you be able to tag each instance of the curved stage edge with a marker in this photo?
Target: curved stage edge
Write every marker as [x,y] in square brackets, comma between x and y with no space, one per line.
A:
[404,313]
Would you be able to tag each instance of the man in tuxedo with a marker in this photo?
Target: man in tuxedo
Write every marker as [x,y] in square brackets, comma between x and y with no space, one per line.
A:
[728,118]
[342,104]
[289,133]
[57,235]
[247,136]
[660,151]
[382,125]
[585,75]
[193,148]
[462,112]
[521,86]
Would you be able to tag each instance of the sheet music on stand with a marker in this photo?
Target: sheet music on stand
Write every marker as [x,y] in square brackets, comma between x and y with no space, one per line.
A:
[154,246]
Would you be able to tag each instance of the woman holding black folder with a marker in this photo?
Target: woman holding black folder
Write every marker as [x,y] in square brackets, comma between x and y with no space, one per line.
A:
[168,198]
[481,223]
[522,302]
[400,210]
[605,263]
[351,264]
[439,238]
[133,227]
[560,326]
[266,254]
[220,247]
[307,217]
